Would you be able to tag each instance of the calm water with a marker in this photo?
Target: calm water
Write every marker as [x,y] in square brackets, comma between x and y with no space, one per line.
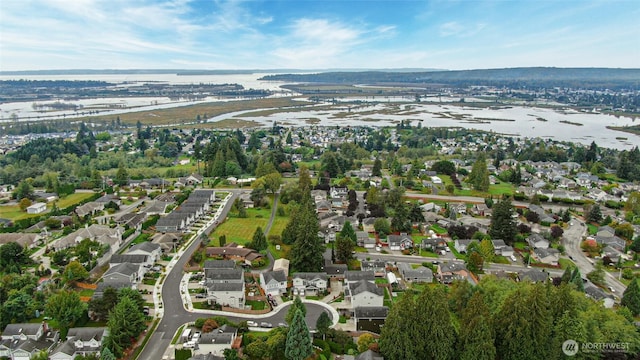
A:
[521,121]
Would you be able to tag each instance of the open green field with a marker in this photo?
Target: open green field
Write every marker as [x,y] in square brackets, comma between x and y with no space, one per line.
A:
[241,230]
[13,212]
[279,223]
[73,199]
[494,189]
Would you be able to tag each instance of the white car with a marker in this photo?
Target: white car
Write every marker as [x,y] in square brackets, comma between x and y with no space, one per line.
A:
[252,323]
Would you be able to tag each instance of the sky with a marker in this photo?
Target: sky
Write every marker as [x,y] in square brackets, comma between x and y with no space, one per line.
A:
[317,34]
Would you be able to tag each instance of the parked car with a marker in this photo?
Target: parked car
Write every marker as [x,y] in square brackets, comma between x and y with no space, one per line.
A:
[252,323]
[201,296]
[266,325]
[283,324]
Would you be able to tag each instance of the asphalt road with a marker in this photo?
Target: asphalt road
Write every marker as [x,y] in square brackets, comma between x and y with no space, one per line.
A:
[573,237]
[175,314]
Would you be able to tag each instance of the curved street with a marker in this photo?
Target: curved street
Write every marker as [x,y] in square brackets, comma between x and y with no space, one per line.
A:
[175,315]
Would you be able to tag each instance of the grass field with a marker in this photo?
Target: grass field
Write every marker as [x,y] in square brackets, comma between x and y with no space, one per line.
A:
[13,212]
[241,230]
[279,223]
[495,189]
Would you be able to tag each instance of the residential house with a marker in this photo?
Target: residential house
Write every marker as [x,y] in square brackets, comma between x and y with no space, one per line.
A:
[431,207]
[336,271]
[24,340]
[614,241]
[367,225]
[310,283]
[364,240]
[379,267]
[370,318]
[233,252]
[225,287]
[547,256]
[37,208]
[281,264]
[364,293]
[26,240]
[273,282]
[103,285]
[154,251]
[167,242]
[355,276]
[542,214]
[612,253]
[461,245]
[191,180]
[500,248]
[400,242]
[90,208]
[155,207]
[133,220]
[597,294]
[536,241]
[124,273]
[533,275]
[137,259]
[450,271]
[217,341]
[84,341]
[481,210]
[219,264]
[105,199]
[100,233]
[420,274]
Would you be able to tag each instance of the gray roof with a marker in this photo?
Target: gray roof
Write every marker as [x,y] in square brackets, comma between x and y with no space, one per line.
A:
[215,338]
[277,275]
[87,333]
[128,258]
[310,275]
[124,269]
[452,267]
[223,274]
[205,357]
[225,286]
[352,276]
[369,355]
[363,285]
[219,264]
[534,275]
[145,246]
[22,328]
[335,269]
[372,312]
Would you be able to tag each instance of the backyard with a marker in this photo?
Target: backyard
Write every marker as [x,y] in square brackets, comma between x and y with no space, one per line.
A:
[241,230]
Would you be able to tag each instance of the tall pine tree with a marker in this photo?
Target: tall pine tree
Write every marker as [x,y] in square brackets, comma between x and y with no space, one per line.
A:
[298,345]
[477,336]
[503,226]
[306,252]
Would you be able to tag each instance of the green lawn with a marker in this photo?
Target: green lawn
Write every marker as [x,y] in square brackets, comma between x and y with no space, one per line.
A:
[73,199]
[13,212]
[564,263]
[496,189]
[279,223]
[256,305]
[592,229]
[282,253]
[241,230]
[438,229]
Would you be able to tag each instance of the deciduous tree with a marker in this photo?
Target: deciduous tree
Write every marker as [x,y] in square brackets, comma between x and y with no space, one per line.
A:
[65,307]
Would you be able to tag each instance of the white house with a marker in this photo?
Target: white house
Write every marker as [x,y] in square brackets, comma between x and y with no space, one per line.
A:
[365,293]
[400,242]
[152,250]
[37,208]
[80,342]
[273,282]
[217,341]
[309,283]
[225,287]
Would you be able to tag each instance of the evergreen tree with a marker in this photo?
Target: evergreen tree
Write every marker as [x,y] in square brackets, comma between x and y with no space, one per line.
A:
[106,354]
[298,345]
[477,337]
[323,323]
[377,167]
[503,226]
[126,322]
[631,297]
[399,339]
[344,248]
[259,241]
[347,232]
[295,306]
[479,175]
[435,325]
[576,279]
[306,252]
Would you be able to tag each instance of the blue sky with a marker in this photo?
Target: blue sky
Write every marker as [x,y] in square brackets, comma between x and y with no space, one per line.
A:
[317,34]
